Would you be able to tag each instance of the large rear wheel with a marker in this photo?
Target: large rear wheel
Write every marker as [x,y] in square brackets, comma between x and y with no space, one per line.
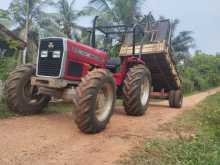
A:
[136,89]
[22,97]
[94,101]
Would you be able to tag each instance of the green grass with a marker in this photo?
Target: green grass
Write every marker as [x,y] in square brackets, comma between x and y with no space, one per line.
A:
[4,113]
[198,91]
[196,139]
[59,107]
[51,108]
[191,93]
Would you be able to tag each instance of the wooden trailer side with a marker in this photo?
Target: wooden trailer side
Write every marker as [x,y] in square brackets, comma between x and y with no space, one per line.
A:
[159,60]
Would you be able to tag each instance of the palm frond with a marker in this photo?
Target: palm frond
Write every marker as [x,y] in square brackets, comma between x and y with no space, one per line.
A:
[100,4]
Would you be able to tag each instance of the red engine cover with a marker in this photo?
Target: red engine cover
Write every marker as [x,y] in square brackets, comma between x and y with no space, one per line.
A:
[84,55]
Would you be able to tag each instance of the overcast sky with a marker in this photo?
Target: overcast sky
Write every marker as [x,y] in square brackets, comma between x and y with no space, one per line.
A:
[200,16]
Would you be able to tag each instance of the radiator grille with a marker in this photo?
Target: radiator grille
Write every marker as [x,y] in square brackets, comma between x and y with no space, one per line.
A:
[50,66]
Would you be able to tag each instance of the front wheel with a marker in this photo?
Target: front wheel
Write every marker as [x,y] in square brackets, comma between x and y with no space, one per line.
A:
[94,101]
[22,97]
[136,90]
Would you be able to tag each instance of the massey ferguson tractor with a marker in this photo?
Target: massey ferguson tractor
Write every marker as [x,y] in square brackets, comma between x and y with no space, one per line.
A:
[92,81]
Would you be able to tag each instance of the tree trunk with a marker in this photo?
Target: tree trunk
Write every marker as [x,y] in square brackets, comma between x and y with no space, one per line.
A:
[69,34]
[1,89]
[19,59]
[26,32]
[67,31]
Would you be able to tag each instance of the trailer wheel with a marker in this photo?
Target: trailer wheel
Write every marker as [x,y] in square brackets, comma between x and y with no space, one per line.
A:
[22,98]
[175,99]
[94,101]
[136,90]
[178,100]
[171,98]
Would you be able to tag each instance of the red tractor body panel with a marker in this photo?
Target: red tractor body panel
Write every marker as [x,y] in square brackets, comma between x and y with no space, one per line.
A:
[84,56]
[88,57]
[62,58]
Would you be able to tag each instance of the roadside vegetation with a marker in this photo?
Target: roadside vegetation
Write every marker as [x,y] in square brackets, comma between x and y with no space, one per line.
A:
[52,108]
[200,72]
[4,113]
[193,139]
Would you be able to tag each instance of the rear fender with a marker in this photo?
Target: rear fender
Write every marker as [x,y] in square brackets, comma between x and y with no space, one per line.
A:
[131,61]
[127,63]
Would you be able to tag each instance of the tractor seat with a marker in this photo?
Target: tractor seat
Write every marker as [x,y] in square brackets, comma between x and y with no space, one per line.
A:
[114,61]
[113,64]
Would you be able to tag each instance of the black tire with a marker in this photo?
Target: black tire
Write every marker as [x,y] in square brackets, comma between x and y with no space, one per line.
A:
[175,98]
[133,104]
[178,100]
[21,97]
[86,101]
[171,98]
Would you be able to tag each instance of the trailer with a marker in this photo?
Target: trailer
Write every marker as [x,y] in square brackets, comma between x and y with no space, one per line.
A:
[151,41]
[156,50]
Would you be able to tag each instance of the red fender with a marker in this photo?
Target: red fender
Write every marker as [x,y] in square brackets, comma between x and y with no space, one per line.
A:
[128,62]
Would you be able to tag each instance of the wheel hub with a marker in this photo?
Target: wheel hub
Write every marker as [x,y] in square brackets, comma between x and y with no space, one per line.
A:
[104,102]
[145,92]
[30,93]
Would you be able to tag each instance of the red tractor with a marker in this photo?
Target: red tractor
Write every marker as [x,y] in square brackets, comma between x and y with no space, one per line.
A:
[87,77]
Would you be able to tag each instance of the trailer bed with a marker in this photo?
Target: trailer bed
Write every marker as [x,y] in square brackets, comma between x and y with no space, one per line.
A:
[159,60]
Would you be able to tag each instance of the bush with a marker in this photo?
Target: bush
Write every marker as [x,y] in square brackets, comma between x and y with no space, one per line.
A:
[200,72]
[201,83]
[7,64]
[187,86]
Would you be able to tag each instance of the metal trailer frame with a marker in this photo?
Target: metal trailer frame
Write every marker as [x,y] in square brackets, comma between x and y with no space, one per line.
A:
[154,52]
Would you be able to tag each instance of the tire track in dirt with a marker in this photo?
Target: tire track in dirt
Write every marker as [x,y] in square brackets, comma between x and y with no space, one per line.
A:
[55,140]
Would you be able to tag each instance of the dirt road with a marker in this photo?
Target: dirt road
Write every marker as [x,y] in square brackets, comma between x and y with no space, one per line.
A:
[54,139]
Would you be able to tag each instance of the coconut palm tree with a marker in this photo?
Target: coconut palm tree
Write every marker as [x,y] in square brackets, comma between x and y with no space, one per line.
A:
[181,43]
[4,18]
[30,21]
[123,11]
[26,18]
[66,16]
[127,10]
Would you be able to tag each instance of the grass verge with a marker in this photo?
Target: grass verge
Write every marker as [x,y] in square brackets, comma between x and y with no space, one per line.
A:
[59,107]
[195,139]
[4,113]
[51,108]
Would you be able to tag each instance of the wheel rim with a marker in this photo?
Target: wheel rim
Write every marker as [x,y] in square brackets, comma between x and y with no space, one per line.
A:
[181,100]
[145,92]
[31,93]
[104,102]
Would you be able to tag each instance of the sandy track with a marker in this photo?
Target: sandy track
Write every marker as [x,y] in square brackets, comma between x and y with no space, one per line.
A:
[54,139]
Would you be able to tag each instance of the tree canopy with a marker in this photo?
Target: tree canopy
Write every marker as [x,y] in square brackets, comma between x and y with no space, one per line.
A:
[123,11]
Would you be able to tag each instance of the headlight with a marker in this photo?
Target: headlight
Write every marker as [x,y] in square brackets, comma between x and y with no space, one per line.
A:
[44,54]
[56,54]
